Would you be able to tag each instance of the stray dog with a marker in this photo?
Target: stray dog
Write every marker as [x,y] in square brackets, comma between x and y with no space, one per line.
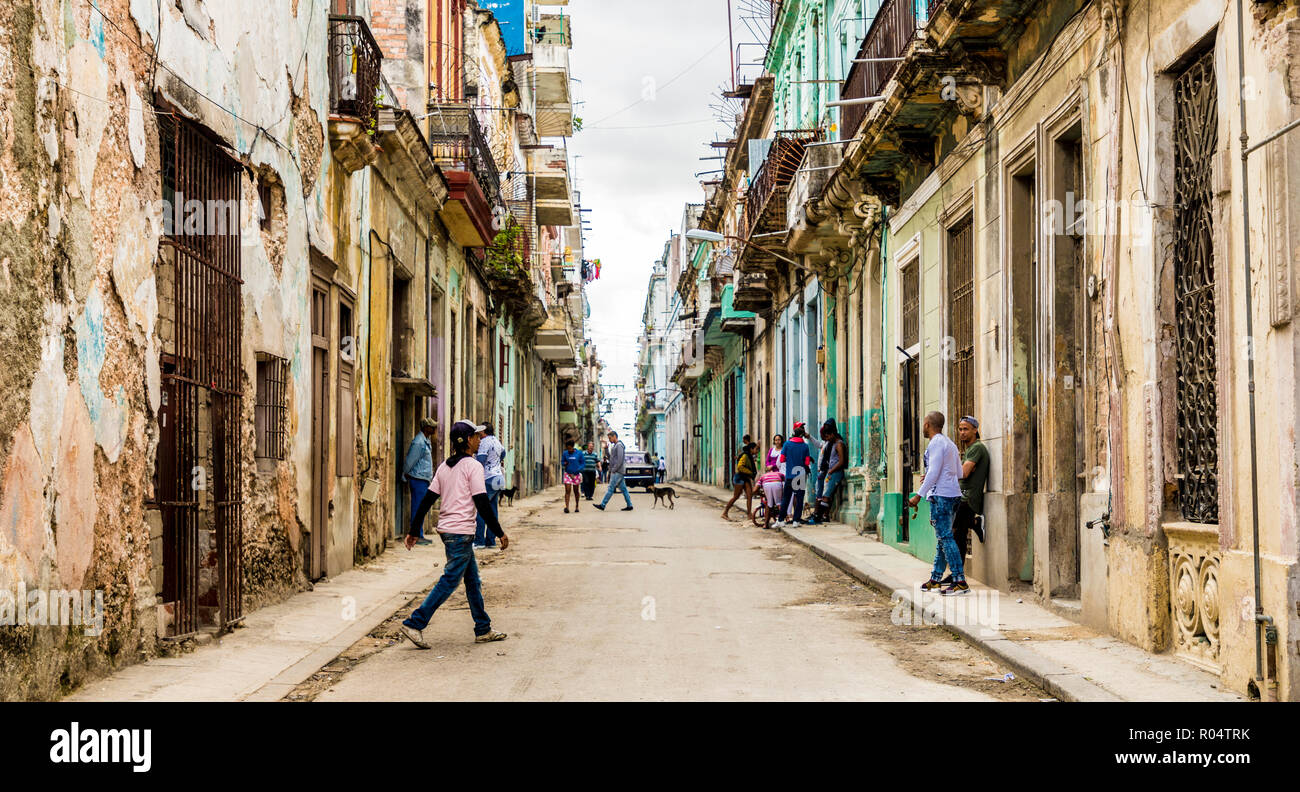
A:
[660,493]
[507,494]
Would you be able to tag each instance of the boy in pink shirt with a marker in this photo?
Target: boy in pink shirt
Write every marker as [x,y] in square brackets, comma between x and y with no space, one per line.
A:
[459,482]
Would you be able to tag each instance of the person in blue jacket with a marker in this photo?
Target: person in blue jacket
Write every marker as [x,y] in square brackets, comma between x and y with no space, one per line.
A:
[797,461]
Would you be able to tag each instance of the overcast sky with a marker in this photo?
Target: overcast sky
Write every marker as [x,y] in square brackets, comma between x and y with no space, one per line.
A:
[647,74]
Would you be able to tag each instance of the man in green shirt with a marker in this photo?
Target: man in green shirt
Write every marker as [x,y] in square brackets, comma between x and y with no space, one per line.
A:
[974,476]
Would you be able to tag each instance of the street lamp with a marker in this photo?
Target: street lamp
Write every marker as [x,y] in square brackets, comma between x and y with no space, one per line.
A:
[700,235]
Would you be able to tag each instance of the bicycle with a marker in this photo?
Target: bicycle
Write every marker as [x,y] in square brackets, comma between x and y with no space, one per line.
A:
[760,512]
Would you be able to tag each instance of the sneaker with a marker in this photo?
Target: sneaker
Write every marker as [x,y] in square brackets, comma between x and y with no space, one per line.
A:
[414,636]
[947,581]
[489,637]
[978,527]
[931,585]
[957,589]
[599,506]
[479,547]
[566,509]
[626,508]
[423,541]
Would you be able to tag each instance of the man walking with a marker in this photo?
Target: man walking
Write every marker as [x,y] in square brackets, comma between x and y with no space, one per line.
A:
[490,454]
[459,482]
[418,469]
[940,488]
[589,471]
[662,472]
[617,467]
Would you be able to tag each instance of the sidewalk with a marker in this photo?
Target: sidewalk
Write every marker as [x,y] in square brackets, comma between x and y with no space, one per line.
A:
[282,645]
[1065,658]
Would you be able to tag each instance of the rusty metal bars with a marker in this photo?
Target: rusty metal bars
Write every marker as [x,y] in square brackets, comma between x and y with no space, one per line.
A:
[961,287]
[1195,142]
[203,378]
[354,66]
[892,29]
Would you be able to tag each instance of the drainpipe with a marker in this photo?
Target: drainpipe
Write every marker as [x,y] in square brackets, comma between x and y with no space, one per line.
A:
[1262,621]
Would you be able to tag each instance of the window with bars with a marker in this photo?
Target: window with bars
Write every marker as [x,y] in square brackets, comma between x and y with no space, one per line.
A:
[961,314]
[271,407]
[911,278]
[1195,143]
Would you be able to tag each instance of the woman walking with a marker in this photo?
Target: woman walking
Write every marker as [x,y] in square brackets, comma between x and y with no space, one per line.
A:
[573,462]
[743,480]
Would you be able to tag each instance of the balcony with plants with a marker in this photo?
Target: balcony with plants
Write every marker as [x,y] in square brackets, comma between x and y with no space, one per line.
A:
[461,149]
[354,68]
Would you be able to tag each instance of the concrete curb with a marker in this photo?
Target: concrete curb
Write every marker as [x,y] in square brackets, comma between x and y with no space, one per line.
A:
[1064,684]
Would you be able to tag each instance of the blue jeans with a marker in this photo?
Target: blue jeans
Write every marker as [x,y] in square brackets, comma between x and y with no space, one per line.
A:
[460,564]
[616,482]
[828,483]
[482,536]
[793,489]
[418,488]
[946,553]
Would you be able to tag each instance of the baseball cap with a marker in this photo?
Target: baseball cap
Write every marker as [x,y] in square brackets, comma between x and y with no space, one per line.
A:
[465,428]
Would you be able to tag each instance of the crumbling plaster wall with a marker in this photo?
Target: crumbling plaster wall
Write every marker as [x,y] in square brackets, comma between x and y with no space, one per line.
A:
[79,304]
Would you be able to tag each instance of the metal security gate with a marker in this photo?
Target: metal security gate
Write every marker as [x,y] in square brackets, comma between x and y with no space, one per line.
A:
[961,284]
[200,455]
[1195,141]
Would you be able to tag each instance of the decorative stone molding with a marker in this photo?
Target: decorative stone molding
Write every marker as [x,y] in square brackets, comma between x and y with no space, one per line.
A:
[1194,557]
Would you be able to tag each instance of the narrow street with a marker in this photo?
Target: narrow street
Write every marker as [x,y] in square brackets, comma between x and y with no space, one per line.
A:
[662,605]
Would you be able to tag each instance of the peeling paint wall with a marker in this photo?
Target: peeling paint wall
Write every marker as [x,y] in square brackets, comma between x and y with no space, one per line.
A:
[80,303]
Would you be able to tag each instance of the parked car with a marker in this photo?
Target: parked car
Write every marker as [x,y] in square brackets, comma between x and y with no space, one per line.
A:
[639,470]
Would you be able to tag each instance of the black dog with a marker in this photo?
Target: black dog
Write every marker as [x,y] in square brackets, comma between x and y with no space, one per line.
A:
[660,493]
[507,494]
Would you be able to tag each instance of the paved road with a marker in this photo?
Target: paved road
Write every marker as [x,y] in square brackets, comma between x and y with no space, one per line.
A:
[665,605]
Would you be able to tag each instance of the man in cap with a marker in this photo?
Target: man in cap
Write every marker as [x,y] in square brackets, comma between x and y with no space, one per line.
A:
[418,469]
[459,482]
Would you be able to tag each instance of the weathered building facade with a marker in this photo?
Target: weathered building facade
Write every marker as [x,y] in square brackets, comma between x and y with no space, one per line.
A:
[1037,214]
[242,264]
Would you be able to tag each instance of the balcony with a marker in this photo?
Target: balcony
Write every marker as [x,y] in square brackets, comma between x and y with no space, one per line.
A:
[551,86]
[553,341]
[893,29]
[554,193]
[354,69]
[474,186]
[753,293]
[765,203]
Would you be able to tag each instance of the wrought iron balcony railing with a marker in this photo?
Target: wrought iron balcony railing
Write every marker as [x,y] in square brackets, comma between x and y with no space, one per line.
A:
[773,178]
[457,140]
[891,31]
[354,65]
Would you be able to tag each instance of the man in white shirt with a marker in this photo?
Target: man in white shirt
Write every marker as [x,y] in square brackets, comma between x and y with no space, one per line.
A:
[942,489]
[490,454]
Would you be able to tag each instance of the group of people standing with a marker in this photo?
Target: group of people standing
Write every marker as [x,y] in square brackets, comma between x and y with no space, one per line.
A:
[953,485]
[785,473]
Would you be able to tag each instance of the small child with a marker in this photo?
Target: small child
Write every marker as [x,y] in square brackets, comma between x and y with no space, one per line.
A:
[772,483]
